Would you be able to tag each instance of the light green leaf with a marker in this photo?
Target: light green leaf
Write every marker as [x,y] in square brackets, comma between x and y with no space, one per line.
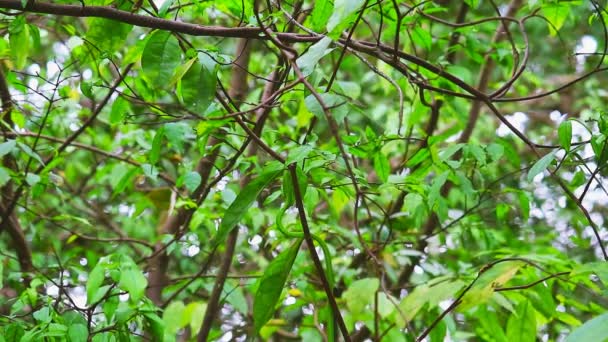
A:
[172,317]
[165,7]
[541,165]
[196,312]
[243,202]
[156,146]
[310,58]
[381,166]
[342,10]
[360,294]
[521,326]
[556,14]
[78,333]
[19,41]
[564,133]
[161,56]
[298,154]
[592,330]
[321,12]
[120,109]
[96,278]
[271,285]
[32,179]
[490,279]
[192,180]
[43,315]
[133,281]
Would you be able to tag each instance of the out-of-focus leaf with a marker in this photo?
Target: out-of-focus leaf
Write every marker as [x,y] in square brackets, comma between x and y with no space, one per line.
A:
[541,165]
[521,326]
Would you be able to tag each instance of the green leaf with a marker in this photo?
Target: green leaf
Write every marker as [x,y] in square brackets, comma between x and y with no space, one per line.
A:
[310,58]
[243,202]
[271,285]
[172,317]
[195,311]
[564,133]
[157,326]
[490,279]
[78,333]
[96,278]
[87,89]
[120,109]
[19,41]
[287,188]
[160,57]
[165,7]
[192,180]
[32,179]
[298,154]
[521,326]
[592,330]
[43,315]
[7,147]
[156,146]
[556,14]
[342,11]
[198,84]
[360,294]
[382,166]
[541,165]
[133,281]
[321,12]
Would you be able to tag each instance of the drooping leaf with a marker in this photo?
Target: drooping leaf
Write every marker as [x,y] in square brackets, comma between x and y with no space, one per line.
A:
[271,285]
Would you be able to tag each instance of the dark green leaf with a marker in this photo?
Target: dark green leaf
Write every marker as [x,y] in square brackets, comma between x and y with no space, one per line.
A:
[271,285]
[198,84]
[160,57]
